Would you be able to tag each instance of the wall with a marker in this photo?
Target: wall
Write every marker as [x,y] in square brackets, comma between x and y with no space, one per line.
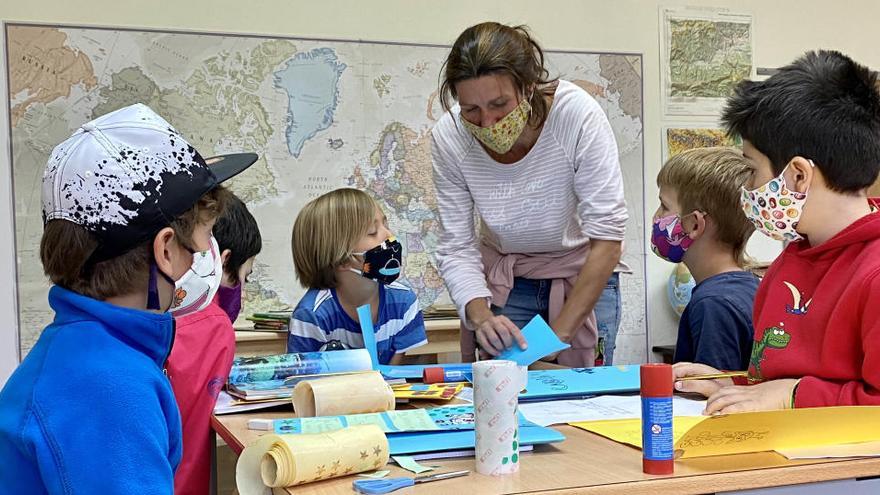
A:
[783,30]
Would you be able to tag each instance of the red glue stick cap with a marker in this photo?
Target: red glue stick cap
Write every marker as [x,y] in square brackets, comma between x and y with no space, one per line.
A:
[656,380]
[433,375]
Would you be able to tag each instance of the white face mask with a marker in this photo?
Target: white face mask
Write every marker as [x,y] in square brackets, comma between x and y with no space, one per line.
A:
[196,288]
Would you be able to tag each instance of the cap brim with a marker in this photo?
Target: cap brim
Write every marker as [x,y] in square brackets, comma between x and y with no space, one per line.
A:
[226,167]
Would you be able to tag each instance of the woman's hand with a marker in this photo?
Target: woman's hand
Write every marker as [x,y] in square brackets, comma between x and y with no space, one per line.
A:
[494,333]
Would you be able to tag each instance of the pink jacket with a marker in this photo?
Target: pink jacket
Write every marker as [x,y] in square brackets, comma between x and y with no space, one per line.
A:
[563,268]
[204,345]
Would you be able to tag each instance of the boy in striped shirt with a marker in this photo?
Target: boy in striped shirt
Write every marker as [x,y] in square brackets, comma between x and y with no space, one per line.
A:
[345,254]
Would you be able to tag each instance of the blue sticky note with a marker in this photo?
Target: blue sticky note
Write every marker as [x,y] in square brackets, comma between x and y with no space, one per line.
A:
[541,339]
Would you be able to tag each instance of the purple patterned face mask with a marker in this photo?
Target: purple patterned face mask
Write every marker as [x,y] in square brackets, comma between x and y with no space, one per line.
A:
[669,240]
[229,299]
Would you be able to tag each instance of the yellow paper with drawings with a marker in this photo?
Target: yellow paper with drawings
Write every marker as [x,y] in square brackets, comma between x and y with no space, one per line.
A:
[755,431]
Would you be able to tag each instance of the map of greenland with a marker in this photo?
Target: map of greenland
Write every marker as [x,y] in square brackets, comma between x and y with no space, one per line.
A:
[311,81]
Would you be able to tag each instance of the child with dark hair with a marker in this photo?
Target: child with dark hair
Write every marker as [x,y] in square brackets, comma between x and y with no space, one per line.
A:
[204,346]
[239,240]
[812,135]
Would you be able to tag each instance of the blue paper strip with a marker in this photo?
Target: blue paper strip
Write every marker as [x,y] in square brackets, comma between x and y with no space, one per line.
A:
[365,317]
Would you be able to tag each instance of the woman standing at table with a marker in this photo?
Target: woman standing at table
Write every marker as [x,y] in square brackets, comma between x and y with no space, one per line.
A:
[536,159]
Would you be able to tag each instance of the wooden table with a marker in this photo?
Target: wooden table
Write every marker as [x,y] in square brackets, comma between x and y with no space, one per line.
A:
[588,463]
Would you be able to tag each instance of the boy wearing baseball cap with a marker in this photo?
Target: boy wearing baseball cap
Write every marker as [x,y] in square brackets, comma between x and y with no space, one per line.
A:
[128,207]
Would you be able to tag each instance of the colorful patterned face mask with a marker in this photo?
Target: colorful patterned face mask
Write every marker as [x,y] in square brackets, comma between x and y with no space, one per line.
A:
[775,209]
[669,240]
[500,136]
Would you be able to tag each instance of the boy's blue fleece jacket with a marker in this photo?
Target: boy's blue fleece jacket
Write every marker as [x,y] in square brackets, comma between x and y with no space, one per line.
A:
[90,410]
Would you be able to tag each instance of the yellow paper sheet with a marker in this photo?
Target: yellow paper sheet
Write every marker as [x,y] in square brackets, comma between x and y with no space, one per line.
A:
[863,449]
[288,460]
[756,431]
[343,394]
[629,431]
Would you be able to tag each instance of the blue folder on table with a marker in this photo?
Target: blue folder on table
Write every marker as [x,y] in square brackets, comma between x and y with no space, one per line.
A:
[416,443]
[580,382]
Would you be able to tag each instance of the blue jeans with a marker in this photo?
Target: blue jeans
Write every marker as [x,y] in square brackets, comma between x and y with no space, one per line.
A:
[608,317]
[532,297]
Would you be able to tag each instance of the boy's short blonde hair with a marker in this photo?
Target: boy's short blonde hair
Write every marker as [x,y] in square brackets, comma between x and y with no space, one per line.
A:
[710,180]
[325,233]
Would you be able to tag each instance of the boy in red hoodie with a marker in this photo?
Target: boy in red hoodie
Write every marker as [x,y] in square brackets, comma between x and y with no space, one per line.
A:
[812,133]
[204,347]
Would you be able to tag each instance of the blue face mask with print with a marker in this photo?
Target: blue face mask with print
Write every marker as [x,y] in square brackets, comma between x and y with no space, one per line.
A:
[383,262]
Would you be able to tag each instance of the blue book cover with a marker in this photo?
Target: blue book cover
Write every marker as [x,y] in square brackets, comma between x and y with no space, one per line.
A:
[580,382]
[435,419]
[415,443]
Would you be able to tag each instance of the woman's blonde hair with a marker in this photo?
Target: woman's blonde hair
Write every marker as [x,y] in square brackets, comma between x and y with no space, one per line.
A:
[493,48]
[710,180]
[325,233]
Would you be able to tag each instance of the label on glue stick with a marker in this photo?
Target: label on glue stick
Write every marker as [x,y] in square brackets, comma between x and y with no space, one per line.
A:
[657,428]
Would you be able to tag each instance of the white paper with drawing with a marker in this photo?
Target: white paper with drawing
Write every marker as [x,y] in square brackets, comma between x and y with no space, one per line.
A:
[600,408]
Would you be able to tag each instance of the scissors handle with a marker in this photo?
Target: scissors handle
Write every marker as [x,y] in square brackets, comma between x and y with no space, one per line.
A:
[376,487]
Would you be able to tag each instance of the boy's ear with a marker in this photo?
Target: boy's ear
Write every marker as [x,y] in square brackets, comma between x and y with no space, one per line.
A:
[163,251]
[696,224]
[224,257]
[799,176]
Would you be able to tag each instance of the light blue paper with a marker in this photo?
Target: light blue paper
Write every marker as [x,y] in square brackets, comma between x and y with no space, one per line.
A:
[415,443]
[444,418]
[365,318]
[580,382]
[541,339]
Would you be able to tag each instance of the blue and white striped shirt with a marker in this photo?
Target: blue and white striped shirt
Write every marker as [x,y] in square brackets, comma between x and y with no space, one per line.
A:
[319,318]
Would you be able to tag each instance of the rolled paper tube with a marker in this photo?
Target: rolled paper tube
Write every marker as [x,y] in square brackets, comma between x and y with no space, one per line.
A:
[276,461]
[497,384]
[342,394]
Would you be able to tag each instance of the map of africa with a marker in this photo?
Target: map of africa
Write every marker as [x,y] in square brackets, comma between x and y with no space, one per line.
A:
[321,114]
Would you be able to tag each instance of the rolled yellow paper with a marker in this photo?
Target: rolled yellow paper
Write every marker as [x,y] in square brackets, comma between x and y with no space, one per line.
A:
[276,461]
[342,394]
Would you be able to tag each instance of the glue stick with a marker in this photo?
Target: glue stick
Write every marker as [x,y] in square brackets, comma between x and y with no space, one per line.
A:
[447,373]
[656,392]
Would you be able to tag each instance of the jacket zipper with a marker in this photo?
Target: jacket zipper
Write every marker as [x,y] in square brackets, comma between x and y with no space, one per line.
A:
[168,354]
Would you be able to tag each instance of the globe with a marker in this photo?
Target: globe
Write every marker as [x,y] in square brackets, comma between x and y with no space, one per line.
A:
[679,288]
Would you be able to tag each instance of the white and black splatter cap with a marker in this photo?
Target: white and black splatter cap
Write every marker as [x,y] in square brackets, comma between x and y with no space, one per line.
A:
[126,175]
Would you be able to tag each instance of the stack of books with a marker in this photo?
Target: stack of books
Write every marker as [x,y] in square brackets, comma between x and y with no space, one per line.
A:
[440,312]
[273,321]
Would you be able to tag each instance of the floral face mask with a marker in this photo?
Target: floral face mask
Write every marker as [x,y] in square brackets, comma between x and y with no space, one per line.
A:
[500,136]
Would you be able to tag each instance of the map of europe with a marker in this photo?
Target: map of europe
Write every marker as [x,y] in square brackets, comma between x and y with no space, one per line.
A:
[321,114]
